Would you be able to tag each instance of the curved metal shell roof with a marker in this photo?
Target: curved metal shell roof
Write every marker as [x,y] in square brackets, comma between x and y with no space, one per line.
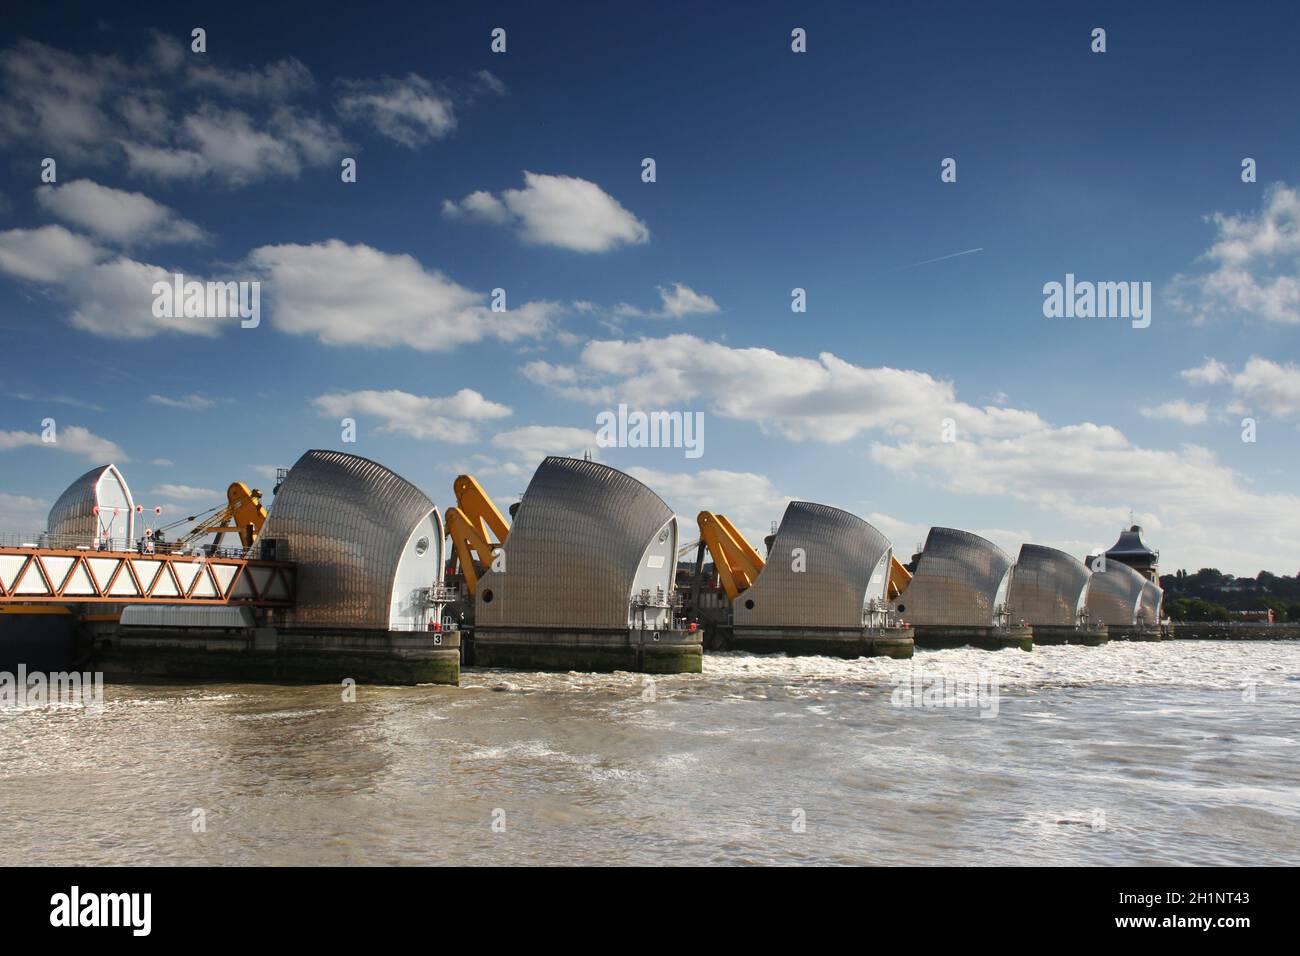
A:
[1047,586]
[73,520]
[574,549]
[1149,604]
[346,521]
[1113,595]
[956,582]
[841,551]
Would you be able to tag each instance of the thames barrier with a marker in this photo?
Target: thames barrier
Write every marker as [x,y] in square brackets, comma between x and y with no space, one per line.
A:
[354,573]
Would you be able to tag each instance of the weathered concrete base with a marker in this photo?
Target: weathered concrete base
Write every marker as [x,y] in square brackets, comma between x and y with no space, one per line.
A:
[1065,634]
[825,642]
[546,649]
[936,636]
[1235,631]
[1142,632]
[264,654]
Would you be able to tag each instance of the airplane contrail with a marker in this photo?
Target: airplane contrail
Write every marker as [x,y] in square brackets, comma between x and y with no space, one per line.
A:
[923,262]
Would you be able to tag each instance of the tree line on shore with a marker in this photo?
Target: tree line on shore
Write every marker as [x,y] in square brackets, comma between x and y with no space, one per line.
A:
[1211,595]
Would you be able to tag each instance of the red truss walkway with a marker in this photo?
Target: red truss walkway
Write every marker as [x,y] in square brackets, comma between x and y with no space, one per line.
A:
[83,577]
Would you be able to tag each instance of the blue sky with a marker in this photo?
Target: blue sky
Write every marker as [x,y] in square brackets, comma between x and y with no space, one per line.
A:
[775,170]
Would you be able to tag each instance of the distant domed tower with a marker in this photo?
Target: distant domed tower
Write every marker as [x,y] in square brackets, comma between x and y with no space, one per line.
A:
[1131,550]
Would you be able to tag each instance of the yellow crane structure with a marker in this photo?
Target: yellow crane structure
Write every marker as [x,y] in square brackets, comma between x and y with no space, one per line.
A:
[243,515]
[737,562]
[471,525]
[899,578]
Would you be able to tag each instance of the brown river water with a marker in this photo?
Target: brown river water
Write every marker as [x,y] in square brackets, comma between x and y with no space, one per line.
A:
[1171,753]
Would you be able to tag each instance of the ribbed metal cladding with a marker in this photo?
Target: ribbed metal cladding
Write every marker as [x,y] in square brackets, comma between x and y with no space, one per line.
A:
[73,517]
[840,553]
[573,550]
[1149,604]
[346,520]
[1047,586]
[956,582]
[1113,595]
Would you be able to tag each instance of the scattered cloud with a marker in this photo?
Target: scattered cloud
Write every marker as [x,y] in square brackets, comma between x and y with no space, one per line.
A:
[115,215]
[237,148]
[1178,410]
[47,254]
[449,419]
[276,81]
[162,462]
[1255,265]
[187,493]
[357,295]
[532,443]
[1271,386]
[678,301]
[822,399]
[112,298]
[56,400]
[190,402]
[1084,473]
[73,439]
[1211,373]
[490,83]
[156,113]
[22,512]
[562,211]
[750,500]
[1262,386]
[407,110]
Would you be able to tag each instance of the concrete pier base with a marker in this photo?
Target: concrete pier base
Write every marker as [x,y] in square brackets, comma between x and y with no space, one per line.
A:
[937,637]
[1235,631]
[825,642]
[265,654]
[1066,634]
[1142,632]
[547,649]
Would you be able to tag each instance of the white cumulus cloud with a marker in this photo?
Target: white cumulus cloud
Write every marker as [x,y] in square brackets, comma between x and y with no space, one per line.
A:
[1255,265]
[1179,410]
[677,301]
[73,439]
[116,215]
[562,211]
[358,295]
[1085,475]
[449,418]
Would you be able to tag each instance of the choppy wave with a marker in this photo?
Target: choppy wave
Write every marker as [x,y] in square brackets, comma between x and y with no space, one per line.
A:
[1179,752]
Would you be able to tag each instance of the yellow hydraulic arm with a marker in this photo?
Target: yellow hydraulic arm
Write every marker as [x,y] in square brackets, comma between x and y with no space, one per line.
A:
[737,562]
[899,577]
[243,515]
[470,525]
